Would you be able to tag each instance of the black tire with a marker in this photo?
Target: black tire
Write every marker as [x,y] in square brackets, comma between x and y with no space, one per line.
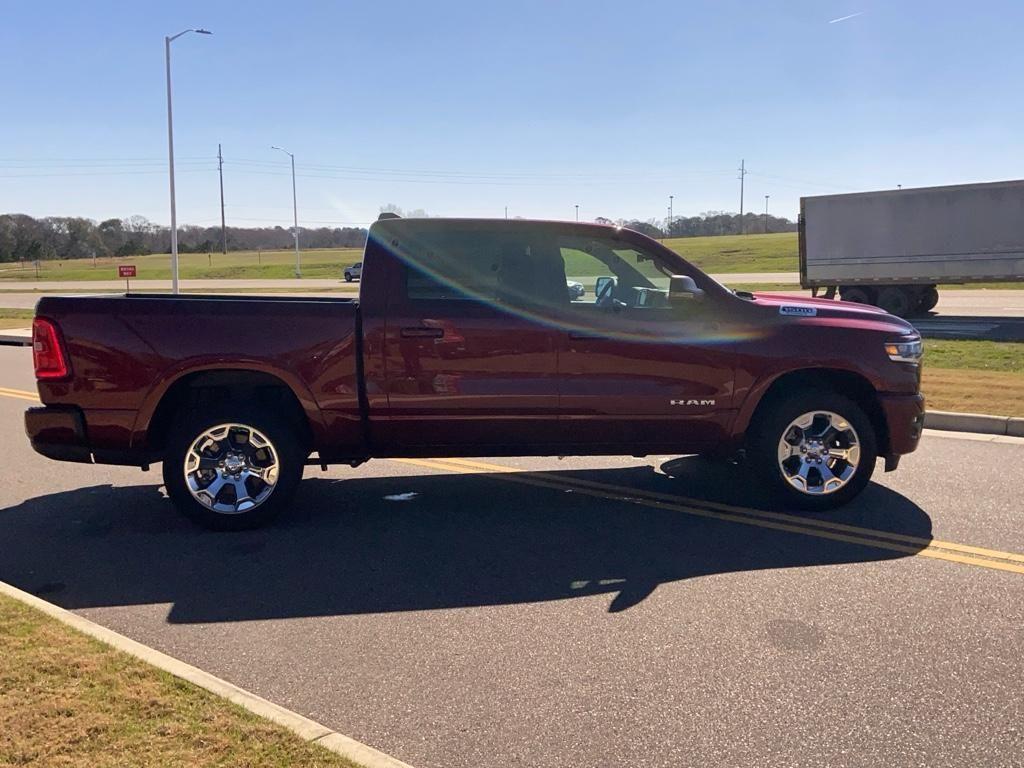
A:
[769,428]
[285,444]
[857,295]
[928,299]
[348,278]
[896,301]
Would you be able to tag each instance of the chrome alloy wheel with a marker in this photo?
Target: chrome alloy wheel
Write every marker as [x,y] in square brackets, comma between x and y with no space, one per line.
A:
[819,453]
[231,468]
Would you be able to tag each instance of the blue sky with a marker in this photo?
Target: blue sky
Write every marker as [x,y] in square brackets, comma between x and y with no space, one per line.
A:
[462,108]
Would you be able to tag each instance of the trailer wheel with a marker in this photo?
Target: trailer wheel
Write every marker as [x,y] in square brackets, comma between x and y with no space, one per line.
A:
[896,301]
[929,298]
[857,295]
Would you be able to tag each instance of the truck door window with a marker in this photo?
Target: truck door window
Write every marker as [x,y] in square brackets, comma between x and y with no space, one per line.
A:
[497,268]
[613,275]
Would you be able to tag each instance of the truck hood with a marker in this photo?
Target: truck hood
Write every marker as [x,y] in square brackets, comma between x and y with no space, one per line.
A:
[832,312]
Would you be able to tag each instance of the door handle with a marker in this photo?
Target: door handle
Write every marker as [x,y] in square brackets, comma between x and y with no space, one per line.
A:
[421,332]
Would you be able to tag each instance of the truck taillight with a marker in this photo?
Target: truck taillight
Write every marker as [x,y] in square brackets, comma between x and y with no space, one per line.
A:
[47,350]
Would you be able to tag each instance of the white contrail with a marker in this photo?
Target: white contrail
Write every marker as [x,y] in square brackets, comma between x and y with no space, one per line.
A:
[844,18]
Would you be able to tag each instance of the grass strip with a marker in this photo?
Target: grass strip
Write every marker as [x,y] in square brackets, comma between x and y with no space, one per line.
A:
[68,700]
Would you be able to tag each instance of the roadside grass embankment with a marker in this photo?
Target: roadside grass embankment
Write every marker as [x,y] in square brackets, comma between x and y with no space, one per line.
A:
[69,700]
[270,265]
[16,318]
[974,376]
[722,254]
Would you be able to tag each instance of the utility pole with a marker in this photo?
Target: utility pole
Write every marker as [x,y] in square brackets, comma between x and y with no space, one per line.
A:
[170,155]
[766,214]
[577,211]
[295,212]
[506,211]
[670,215]
[223,228]
[743,173]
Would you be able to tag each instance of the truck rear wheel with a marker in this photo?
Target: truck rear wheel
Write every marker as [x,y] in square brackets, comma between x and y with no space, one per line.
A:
[815,449]
[231,469]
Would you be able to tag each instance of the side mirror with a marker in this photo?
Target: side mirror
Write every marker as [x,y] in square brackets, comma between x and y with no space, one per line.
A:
[604,288]
[683,288]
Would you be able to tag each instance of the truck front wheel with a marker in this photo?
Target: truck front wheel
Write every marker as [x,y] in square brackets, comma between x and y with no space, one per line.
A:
[231,469]
[815,450]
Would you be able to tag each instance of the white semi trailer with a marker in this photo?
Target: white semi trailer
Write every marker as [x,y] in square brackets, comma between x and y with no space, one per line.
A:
[894,248]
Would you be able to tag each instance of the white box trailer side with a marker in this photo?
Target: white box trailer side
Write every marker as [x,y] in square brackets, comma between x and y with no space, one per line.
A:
[892,248]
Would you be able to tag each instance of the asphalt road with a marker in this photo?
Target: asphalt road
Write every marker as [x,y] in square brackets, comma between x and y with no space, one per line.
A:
[585,612]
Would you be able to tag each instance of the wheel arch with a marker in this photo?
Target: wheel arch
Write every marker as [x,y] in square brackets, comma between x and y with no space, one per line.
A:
[844,382]
[216,383]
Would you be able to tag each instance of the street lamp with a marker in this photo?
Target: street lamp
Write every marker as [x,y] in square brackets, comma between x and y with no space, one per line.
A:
[577,212]
[670,214]
[766,214]
[295,212]
[170,155]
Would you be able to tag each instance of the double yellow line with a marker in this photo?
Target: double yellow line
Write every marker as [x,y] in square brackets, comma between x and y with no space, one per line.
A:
[807,526]
[19,394]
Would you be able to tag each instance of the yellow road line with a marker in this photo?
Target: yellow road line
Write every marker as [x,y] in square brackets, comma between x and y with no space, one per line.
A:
[915,545]
[20,394]
[876,539]
[802,521]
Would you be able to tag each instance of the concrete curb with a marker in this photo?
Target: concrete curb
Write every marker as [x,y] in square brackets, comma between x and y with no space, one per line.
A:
[308,730]
[974,422]
[17,337]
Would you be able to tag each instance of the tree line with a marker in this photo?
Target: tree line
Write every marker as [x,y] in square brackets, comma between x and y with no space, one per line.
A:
[23,238]
[707,224]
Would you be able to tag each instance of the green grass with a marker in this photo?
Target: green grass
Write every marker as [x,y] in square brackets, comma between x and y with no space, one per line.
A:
[233,265]
[774,252]
[741,253]
[69,700]
[975,355]
[974,376]
[16,318]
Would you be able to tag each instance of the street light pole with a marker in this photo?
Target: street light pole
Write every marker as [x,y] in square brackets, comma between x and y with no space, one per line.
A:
[577,212]
[766,214]
[170,155]
[295,213]
[670,214]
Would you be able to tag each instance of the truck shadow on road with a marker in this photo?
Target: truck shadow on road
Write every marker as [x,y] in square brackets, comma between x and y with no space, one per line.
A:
[421,542]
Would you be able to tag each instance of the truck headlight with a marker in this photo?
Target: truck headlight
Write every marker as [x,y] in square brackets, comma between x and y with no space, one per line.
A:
[905,351]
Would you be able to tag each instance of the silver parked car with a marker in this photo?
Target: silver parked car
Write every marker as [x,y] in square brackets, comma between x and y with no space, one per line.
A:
[354,272]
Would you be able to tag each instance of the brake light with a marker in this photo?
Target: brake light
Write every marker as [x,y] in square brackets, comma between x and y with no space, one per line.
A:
[47,350]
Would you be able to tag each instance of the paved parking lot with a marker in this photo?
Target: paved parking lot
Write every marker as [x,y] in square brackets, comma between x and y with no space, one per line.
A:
[585,612]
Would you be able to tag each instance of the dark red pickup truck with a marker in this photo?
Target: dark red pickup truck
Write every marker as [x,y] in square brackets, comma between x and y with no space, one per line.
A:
[465,340]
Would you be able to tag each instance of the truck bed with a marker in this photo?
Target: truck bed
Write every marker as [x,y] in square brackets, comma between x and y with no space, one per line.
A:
[126,351]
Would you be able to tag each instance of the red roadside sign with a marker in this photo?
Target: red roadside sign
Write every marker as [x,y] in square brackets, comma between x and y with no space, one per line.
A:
[126,270]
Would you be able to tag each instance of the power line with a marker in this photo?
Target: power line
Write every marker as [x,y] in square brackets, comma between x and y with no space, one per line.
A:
[743,173]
